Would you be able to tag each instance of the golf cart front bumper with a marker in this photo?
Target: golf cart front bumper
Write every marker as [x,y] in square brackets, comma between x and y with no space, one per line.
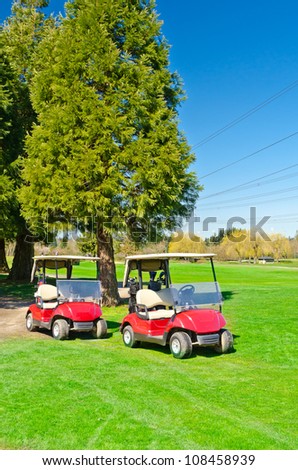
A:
[83,326]
[208,340]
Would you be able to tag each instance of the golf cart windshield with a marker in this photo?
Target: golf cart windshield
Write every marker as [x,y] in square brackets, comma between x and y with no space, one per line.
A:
[196,295]
[77,290]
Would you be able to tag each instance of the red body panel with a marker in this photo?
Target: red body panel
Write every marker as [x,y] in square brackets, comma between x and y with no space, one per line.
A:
[75,311]
[41,314]
[147,327]
[200,321]
[79,311]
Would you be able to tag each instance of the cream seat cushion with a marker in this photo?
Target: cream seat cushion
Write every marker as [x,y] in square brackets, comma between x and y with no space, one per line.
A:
[161,313]
[150,299]
[48,295]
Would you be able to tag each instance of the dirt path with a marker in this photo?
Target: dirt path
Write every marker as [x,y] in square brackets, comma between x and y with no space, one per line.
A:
[12,319]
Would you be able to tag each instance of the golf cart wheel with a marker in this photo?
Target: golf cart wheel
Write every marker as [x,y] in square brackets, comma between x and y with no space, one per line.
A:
[180,345]
[226,342]
[60,329]
[100,329]
[129,337]
[29,322]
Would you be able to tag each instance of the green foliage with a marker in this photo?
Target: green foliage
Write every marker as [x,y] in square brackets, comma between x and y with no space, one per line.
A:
[18,38]
[8,205]
[20,35]
[23,30]
[10,137]
[14,103]
[87,245]
[107,142]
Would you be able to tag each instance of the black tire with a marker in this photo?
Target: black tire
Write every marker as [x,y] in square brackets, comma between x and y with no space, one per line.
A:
[60,329]
[226,342]
[29,322]
[100,329]
[180,345]
[129,337]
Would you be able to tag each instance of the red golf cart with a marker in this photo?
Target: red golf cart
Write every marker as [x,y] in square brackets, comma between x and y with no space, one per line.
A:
[181,315]
[70,304]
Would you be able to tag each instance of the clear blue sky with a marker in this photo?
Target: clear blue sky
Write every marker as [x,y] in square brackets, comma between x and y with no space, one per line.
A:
[236,57]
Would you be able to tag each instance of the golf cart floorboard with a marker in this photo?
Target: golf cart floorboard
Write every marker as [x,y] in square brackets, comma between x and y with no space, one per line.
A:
[151,339]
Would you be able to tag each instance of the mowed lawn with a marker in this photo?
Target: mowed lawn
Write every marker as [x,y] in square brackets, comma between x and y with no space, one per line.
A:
[98,394]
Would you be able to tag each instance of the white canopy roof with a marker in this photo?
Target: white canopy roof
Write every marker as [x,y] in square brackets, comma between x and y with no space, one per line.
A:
[171,255]
[65,257]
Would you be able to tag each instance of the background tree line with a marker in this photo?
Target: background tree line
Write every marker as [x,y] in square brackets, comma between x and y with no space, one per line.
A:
[239,245]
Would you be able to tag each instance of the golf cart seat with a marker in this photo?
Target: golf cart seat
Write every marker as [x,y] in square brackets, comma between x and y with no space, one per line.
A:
[148,299]
[47,296]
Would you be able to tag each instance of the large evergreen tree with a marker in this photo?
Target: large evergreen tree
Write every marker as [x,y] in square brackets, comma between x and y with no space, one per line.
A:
[107,142]
[21,33]
[7,193]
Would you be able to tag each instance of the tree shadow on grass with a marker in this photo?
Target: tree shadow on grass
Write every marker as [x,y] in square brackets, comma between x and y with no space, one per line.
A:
[12,292]
[207,352]
[228,294]
[113,327]
[155,347]
[197,351]
[82,335]
[210,352]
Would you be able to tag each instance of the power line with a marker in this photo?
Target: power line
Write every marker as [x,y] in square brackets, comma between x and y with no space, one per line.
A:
[249,156]
[245,205]
[256,196]
[249,184]
[246,115]
[286,218]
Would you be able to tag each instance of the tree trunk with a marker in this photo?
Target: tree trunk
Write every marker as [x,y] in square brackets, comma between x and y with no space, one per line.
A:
[4,268]
[22,259]
[108,279]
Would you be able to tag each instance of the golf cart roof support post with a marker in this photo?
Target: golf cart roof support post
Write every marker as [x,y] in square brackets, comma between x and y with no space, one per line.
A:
[168,275]
[215,281]
[56,269]
[44,272]
[139,264]
[213,270]
[97,270]
[68,269]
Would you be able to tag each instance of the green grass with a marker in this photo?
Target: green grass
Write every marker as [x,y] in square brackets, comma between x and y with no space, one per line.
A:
[98,394]
[15,290]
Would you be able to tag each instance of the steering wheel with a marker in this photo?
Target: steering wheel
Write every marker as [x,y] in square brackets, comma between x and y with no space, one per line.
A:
[185,294]
[188,288]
